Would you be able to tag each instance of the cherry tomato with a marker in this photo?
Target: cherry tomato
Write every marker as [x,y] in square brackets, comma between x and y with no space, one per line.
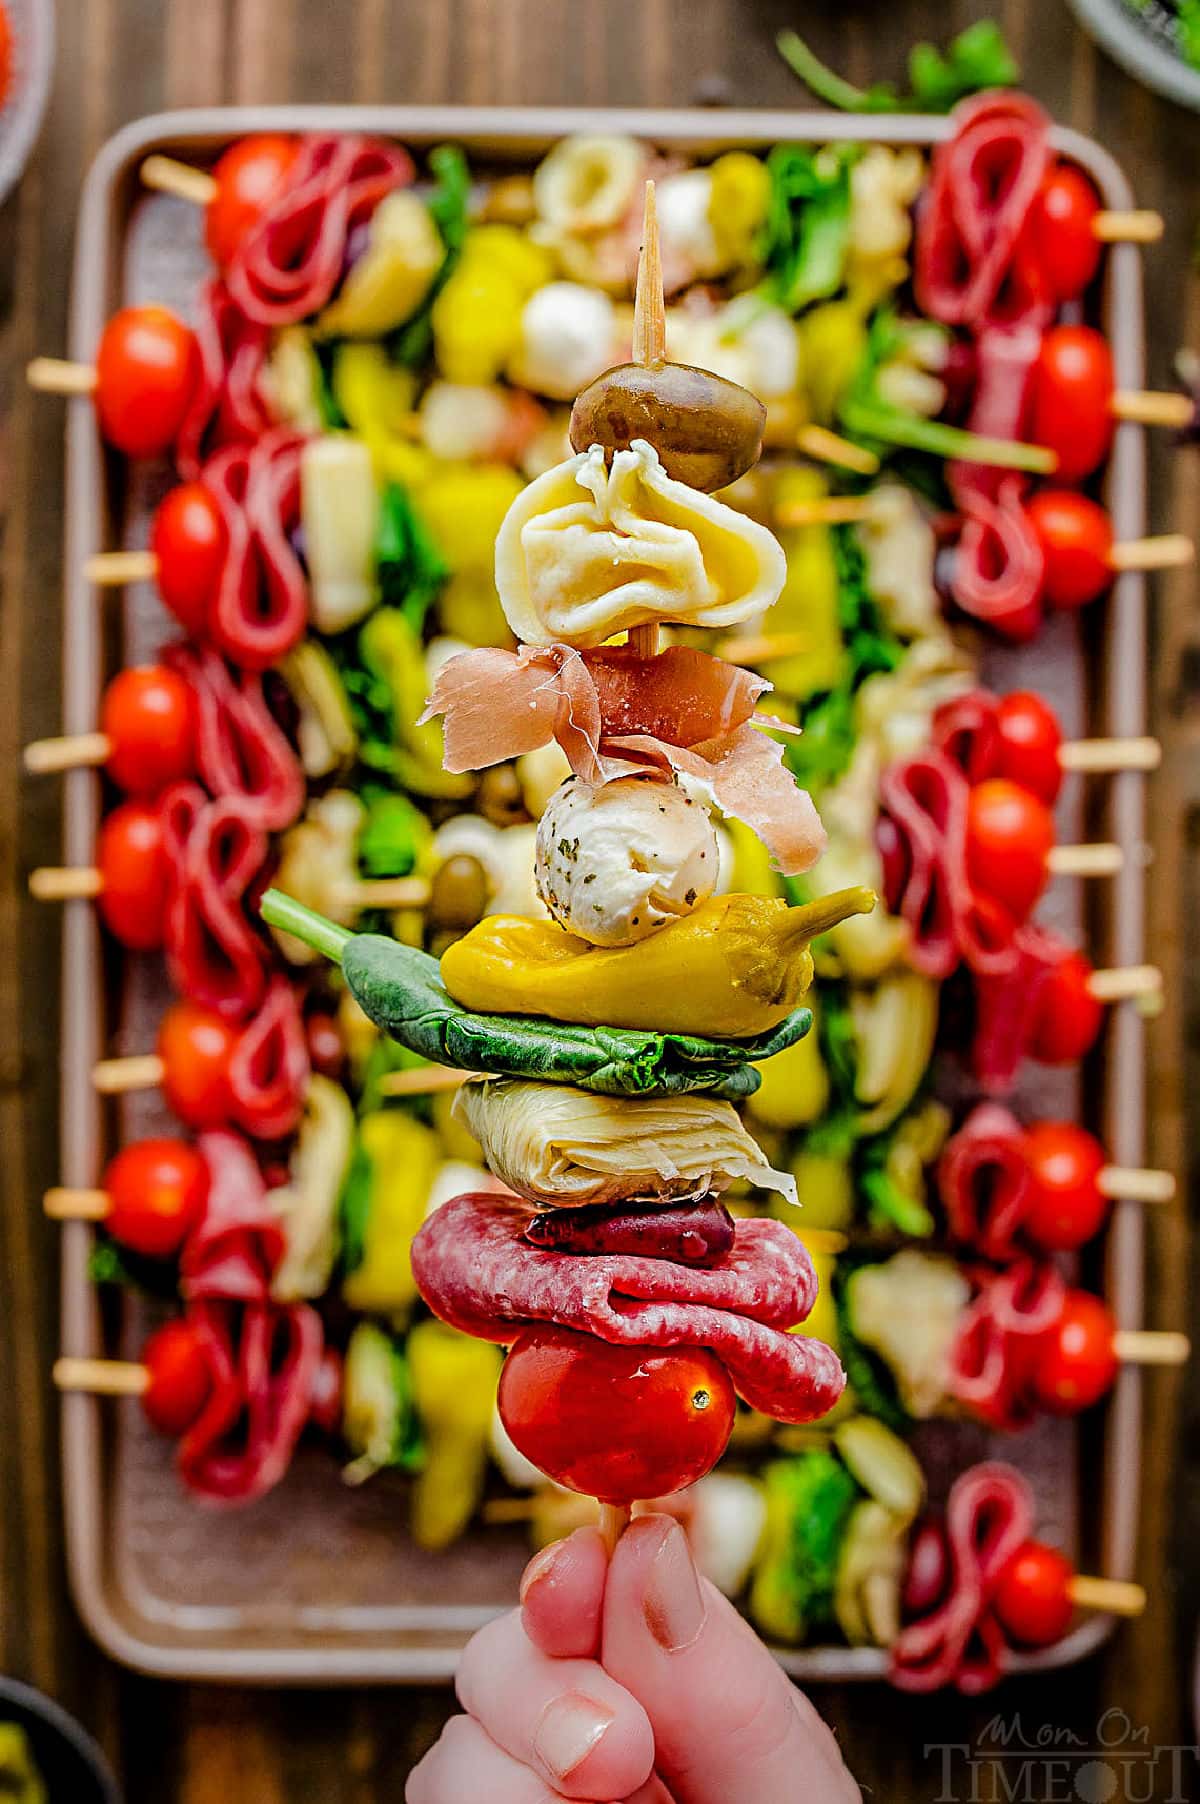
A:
[248,177]
[1067,1016]
[134,875]
[146,371]
[149,717]
[1062,222]
[326,1053]
[195,1046]
[615,1422]
[180,1380]
[1076,1364]
[156,1191]
[1072,399]
[1010,834]
[1076,538]
[1029,743]
[189,539]
[1033,1595]
[1067,1207]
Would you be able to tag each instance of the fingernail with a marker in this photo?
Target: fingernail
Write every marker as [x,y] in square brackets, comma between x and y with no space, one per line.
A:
[569,1729]
[538,1568]
[674,1604]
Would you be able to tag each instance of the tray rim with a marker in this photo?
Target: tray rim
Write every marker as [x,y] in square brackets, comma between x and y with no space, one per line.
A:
[521,131]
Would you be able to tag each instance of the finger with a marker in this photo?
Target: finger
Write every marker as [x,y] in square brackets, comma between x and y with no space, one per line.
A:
[465,1763]
[727,1723]
[565,1719]
[653,1792]
[562,1596]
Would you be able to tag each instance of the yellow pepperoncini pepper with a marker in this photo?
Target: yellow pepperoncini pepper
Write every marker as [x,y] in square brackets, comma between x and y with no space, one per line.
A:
[454,1380]
[825,1186]
[462,506]
[403,1156]
[375,395]
[477,315]
[808,601]
[833,343]
[738,199]
[734,967]
[753,871]
[795,1086]
[390,648]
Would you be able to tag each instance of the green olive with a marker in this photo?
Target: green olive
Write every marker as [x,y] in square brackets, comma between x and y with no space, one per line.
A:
[458,894]
[707,431]
[501,799]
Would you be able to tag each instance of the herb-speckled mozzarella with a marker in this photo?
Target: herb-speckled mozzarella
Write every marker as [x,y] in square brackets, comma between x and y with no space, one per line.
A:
[616,863]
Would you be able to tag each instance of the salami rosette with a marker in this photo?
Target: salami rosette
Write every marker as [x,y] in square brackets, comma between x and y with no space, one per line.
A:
[229,405]
[241,750]
[214,955]
[235,1247]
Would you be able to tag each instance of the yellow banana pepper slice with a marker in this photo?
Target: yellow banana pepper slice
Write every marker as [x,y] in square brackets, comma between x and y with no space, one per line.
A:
[454,1380]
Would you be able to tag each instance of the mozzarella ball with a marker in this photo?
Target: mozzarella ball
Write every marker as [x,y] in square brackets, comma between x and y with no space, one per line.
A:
[568,337]
[615,864]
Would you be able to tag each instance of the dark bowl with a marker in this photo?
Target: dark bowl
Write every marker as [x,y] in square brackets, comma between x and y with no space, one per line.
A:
[74,1769]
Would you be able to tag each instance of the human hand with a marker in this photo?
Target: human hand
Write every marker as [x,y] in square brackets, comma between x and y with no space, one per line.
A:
[634,1680]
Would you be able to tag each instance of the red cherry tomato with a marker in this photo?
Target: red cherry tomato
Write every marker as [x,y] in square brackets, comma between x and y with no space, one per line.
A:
[1067,1207]
[1067,1017]
[195,1046]
[326,1053]
[1072,399]
[134,875]
[1029,742]
[149,717]
[1033,1595]
[1063,231]
[1010,835]
[147,365]
[1076,538]
[180,1379]
[1076,1364]
[156,1192]
[615,1422]
[248,177]
[189,539]
[6,54]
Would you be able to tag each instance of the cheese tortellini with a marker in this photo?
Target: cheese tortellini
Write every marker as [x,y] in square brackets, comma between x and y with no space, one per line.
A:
[586,552]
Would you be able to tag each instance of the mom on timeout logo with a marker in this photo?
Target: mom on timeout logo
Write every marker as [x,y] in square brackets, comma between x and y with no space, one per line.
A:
[1009,1763]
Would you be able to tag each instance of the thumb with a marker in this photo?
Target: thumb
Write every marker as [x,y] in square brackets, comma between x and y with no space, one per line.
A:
[727,1722]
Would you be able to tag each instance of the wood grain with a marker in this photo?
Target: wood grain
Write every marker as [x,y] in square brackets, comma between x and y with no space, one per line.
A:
[120,58]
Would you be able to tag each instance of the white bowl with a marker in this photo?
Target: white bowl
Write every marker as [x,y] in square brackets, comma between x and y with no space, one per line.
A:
[1142,44]
[32,61]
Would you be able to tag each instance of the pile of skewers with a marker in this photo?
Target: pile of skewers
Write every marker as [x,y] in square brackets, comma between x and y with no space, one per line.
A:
[595,1071]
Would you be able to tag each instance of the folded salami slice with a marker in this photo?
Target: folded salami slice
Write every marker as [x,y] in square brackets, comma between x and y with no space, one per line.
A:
[965,731]
[1006,1007]
[992,1360]
[476,1271]
[999,565]
[214,855]
[267,1370]
[260,609]
[241,750]
[989,1515]
[984,1182]
[269,1066]
[288,265]
[229,405]
[233,1250]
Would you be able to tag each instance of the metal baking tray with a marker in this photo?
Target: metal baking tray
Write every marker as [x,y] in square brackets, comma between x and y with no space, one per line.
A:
[318,1583]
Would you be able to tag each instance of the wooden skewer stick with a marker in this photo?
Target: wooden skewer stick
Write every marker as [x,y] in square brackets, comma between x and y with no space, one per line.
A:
[826,510]
[1135,225]
[116,1077]
[101,1377]
[75,751]
[1167,551]
[614,1520]
[827,447]
[1101,755]
[1100,860]
[169,176]
[61,1204]
[1136,1185]
[1150,408]
[762,648]
[385,892]
[59,376]
[1151,1347]
[113,569]
[649,349]
[422,1080]
[1125,983]
[1116,1597]
[52,883]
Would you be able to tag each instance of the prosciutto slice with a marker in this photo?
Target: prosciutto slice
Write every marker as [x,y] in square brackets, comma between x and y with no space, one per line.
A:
[214,855]
[289,264]
[975,263]
[992,1360]
[984,1182]
[1006,1007]
[959,1642]
[236,1245]
[617,715]
[241,750]
[476,1271]
[266,1362]
[260,608]
[269,1067]
[229,405]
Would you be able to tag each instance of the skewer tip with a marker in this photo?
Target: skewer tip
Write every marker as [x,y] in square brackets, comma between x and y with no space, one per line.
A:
[649,304]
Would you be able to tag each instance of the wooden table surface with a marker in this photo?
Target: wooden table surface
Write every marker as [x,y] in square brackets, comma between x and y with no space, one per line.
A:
[121,58]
